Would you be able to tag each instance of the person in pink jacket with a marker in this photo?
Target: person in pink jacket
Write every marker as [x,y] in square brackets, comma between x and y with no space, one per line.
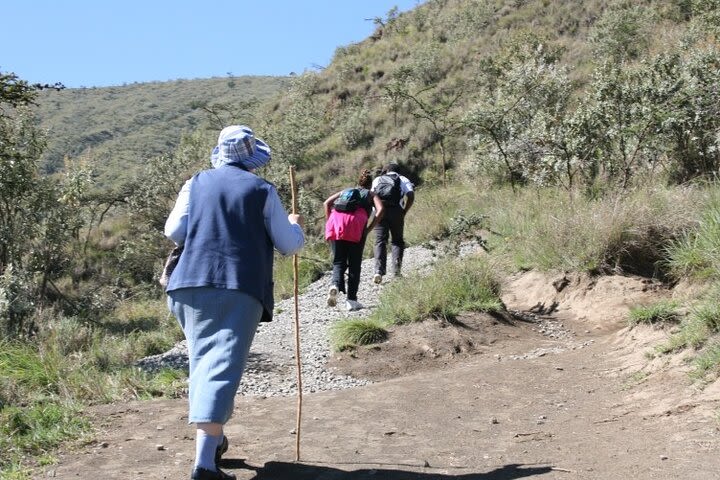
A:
[346,231]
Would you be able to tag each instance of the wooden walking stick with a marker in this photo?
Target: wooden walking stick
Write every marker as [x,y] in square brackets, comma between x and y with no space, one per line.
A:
[297,327]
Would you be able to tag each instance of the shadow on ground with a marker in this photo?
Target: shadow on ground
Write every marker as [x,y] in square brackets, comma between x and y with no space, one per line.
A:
[300,471]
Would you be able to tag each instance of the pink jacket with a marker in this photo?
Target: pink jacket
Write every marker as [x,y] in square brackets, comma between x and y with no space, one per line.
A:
[347,226]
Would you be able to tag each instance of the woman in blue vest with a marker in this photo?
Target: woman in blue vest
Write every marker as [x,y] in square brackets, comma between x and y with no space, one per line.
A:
[229,221]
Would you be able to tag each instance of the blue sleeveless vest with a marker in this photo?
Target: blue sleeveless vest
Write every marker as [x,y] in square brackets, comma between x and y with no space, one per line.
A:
[226,245]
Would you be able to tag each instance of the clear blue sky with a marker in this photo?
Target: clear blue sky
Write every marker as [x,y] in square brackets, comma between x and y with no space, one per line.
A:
[110,42]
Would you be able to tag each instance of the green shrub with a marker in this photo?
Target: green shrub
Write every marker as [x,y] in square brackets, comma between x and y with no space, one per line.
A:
[440,212]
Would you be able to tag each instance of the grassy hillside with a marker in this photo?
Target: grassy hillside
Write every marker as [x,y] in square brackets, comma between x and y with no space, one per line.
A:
[402,93]
[119,128]
[404,90]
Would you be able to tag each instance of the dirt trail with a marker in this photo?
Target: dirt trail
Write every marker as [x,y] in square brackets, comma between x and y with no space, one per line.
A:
[568,394]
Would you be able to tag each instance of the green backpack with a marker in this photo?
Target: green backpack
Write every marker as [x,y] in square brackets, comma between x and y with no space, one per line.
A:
[348,201]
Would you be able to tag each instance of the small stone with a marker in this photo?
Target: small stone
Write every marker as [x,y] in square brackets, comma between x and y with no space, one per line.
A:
[104,445]
[494,421]
[293,432]
[159,447]
[663,457]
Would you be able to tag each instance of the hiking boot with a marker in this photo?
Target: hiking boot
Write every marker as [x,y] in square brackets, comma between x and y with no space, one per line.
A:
[205,474]
[221,449]
[377,278]
[332,296]
[352,305]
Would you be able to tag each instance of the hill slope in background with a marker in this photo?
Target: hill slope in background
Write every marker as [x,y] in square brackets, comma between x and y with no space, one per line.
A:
[118,128]
[402,91]
[351,113]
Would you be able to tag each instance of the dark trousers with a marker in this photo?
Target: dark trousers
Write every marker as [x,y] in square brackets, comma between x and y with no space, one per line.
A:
[390,227]
[347,256]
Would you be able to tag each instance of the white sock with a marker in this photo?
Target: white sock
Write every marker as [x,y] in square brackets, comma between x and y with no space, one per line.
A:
[205,446]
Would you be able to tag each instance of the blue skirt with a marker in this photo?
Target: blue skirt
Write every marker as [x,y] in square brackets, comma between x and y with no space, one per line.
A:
[219,325]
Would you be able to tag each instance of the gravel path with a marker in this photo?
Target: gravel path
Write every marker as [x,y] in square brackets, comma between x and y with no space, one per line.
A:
[272,369]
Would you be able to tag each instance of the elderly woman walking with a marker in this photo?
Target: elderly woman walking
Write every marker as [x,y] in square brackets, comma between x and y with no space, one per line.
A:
[229,221]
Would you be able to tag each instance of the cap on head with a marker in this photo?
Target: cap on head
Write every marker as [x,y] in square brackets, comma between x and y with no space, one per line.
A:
[392,166]
[237,144]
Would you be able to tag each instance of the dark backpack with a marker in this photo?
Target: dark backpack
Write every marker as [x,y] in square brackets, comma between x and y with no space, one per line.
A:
[348,201]
[388,189]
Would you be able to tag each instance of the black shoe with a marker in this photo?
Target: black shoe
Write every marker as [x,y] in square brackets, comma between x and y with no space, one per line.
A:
[205,474]
[221,449]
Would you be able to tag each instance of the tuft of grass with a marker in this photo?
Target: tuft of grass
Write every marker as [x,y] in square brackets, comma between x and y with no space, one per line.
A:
[353,332]
[27,374]
[138,315]
[33,431]
[14,471]
[44,384]
[697,253]
[697,329]
[708,314]
[691,335]
[635,379]
[707,362]
[103,373]
[454,286]
[660,312]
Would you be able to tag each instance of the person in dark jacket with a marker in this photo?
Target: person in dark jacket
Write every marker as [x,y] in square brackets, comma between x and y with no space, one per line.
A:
[397,194]
[229,221]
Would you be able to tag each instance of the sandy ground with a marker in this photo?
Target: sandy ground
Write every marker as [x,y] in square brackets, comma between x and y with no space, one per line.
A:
[570,394]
